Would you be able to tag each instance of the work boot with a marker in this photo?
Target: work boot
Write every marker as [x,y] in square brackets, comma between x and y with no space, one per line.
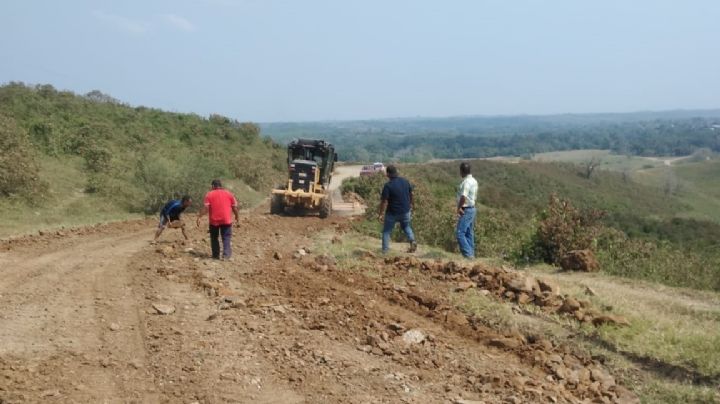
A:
[413,247]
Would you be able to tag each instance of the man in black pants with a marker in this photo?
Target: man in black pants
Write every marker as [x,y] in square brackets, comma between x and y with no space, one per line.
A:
[219,202]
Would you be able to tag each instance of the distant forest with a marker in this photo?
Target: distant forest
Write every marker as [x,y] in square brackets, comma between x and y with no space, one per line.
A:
[671,133]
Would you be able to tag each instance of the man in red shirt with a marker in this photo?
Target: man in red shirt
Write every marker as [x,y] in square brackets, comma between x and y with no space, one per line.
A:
[219,202]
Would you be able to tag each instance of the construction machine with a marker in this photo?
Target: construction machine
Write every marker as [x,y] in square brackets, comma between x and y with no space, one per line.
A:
[310,167]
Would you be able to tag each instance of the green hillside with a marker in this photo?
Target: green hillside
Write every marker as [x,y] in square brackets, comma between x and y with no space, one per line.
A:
[645,231]
[70,159]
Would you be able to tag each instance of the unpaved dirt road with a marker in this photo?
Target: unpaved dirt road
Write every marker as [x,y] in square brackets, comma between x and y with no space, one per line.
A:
[80,322]
[340,207]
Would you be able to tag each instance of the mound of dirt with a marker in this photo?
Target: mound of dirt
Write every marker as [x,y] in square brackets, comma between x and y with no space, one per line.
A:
[580,260]
[352,197]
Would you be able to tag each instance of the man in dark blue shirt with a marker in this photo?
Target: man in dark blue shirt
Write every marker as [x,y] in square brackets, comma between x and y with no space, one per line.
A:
[395,207]
[170,216]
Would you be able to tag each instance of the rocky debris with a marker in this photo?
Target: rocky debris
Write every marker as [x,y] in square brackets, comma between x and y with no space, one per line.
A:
[352,197]
[166,251]
[324,262]
[336,239]
[114,326]
[463,286]
[277,255]
[580,260]
[590,291]
[301,252]
[569,305]
[235,302]
[505,283]
[506,343]
[523,284]
[163,309]
[413,336]
[49,393]
[609,319]
[546,286]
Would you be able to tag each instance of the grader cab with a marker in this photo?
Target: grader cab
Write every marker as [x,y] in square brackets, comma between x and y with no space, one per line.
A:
[310,167]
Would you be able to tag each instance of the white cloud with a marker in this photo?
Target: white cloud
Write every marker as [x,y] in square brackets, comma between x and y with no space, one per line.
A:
[179,22]
[122,23]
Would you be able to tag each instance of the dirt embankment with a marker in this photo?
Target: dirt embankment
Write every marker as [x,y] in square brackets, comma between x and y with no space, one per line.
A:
[105,317]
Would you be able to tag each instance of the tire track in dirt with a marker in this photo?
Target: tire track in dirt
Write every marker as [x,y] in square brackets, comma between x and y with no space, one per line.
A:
[69,320]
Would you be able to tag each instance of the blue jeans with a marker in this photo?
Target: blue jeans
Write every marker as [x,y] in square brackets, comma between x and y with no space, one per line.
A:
[389,224]
[465,233]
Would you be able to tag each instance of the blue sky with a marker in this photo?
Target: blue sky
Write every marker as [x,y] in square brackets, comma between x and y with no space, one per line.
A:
[273,60]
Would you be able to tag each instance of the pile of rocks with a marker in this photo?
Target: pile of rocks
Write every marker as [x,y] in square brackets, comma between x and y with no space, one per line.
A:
[512,285]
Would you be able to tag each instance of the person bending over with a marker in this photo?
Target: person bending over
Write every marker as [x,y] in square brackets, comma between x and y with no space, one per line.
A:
[170,216]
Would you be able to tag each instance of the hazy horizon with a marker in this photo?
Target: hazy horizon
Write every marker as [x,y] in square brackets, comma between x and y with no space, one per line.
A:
[281,61]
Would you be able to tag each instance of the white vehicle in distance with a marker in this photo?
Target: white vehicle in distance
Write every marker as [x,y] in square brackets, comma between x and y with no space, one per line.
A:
[375,168]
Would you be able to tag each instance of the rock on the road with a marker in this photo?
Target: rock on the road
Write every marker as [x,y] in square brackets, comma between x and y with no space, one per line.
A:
[163,309]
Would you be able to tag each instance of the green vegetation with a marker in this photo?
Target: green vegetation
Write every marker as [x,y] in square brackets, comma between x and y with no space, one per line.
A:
[671,133]
[18,167]
[73,157]
[644,232]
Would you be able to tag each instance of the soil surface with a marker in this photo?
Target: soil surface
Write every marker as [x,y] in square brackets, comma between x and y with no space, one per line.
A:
[99,314]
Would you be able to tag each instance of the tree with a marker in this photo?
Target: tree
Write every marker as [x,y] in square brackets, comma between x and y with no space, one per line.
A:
[590,166]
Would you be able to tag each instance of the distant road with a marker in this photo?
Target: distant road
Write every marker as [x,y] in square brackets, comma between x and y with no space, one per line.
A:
[341,207]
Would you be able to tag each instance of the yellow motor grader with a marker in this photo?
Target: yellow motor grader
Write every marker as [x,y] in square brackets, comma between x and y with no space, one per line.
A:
[310,167]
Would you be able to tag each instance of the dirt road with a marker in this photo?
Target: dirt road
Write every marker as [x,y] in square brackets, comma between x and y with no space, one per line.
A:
[81,322]
[340,207]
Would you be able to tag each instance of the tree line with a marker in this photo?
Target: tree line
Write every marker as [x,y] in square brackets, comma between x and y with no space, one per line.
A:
[422,140]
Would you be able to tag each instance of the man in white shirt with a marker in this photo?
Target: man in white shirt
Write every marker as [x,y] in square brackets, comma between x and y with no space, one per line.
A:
[466,196]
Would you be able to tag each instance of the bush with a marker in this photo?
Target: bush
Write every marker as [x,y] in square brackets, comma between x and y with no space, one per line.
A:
[18,168]
[258,172]
[160,179]
[564,228]
[368,188]
[661,262]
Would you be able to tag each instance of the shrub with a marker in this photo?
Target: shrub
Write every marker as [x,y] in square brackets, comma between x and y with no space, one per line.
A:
[18,168]
[160,179]
[258,172]
[564,228]
[368,188]
[657,261]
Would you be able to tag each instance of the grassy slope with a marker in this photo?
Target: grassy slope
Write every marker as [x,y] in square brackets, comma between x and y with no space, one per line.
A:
[66,203]
[608,160]
[697,184]
[524,188]
[664,246]
[100,160]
